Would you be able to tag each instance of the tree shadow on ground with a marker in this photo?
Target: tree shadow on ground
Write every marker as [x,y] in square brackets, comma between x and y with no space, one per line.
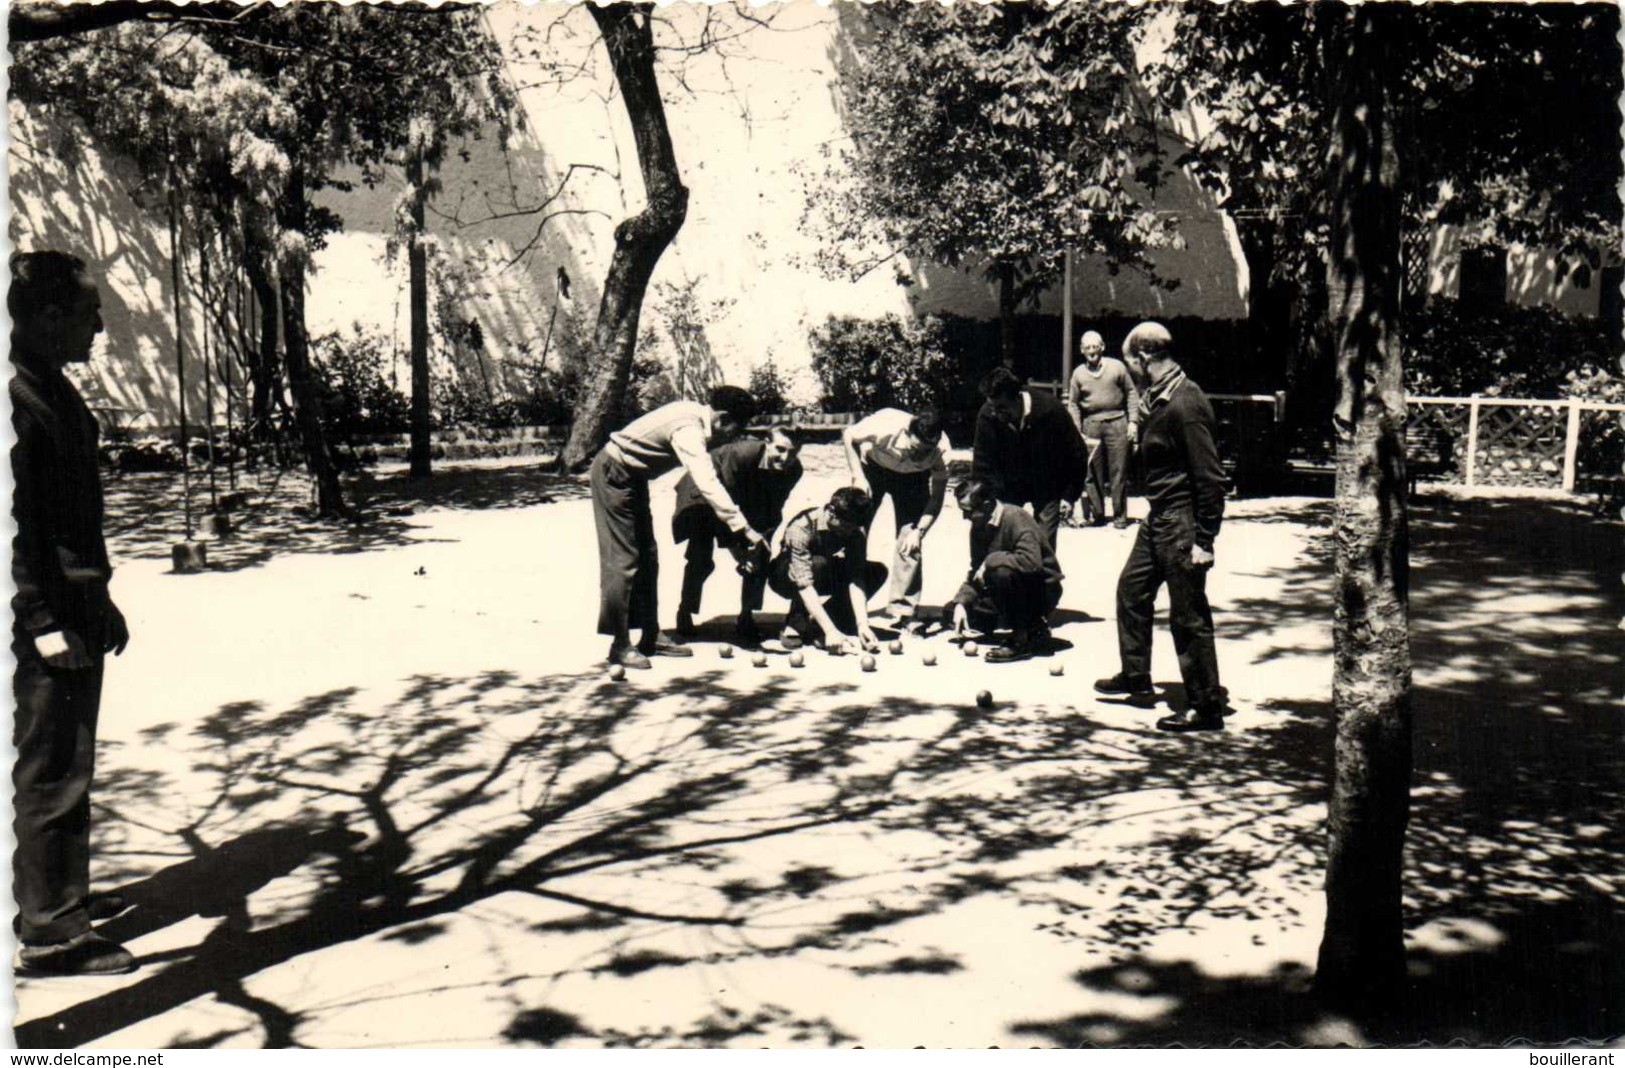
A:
[145,512]
[636,812]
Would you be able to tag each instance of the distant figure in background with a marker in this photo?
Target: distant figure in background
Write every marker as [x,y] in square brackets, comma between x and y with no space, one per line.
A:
[904,455]
[628,563]
[759,475]
[1029,449]
[824,554]
[64,623]
[1105,405]
[1185,486]
[1015,582]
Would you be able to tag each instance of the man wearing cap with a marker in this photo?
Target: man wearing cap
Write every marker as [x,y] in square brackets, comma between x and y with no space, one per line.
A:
[679,433]
[1105,405]
[1185,486]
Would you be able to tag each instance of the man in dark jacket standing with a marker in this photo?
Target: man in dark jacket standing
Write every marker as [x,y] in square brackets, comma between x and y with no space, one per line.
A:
[1185,486]
[759,475]
[1029,449]
[63,621]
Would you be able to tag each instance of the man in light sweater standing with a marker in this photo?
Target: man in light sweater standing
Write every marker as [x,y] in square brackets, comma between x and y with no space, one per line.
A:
[681,432]
[1104,404]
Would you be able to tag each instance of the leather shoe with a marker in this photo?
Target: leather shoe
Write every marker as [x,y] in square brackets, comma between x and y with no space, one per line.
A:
[628,657]
[1008,654]
[1120,684]
[1192,719]
[663,645]
[86,954]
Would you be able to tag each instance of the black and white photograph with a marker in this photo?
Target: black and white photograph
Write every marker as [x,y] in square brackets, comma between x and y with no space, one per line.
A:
[1060,524]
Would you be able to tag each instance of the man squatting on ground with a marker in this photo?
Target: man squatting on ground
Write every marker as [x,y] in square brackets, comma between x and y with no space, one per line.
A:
[1185,486]
[906,456]
[628,560]
[1014,583]
[1027,447]
[759,475]
[1105,405]
[824,554]
[63,620]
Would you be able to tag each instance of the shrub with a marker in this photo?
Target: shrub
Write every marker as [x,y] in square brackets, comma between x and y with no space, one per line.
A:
[768,386]
[1511,350]
[355,380]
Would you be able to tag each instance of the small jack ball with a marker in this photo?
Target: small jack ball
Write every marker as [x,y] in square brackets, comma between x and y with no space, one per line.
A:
[929,659]
[867,663]
[796,659]
[896,647]
[1056,669]
[617,672]
[759,660]
[984,699]
[970,648]
[726,652]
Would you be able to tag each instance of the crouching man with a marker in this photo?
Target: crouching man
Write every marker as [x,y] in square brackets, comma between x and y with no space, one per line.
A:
[825,555]
[1015,580]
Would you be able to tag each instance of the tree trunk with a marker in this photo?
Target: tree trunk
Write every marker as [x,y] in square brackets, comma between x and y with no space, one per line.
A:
[639,240]
[307,410]
[419,269]
[263,371]
[1362,954]
[1007,315]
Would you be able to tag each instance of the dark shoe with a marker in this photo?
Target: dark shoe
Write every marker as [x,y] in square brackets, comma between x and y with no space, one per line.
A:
[685,624]
[1120,684]
[88,954]
[628,657]
[1121,523]
[1192,719]
[746,632]
[663,646]
[1009,654]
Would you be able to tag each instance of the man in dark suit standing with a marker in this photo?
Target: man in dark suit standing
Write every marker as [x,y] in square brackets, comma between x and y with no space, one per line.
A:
[1029,449]
[759,475]
[64,623]
[1185,486]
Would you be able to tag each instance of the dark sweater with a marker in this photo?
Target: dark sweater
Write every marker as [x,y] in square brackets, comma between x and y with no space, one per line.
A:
[1180,459]
[759,494]
[1018,543]
[1045,460]
[58,558]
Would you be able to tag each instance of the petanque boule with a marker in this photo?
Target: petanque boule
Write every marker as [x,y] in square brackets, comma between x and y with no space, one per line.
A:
[896,647]
[929,659]
[984,699]
[970,648]
[1057,669]
[796,659]
[726,652]
[759,660]
[617,672]
[867,663]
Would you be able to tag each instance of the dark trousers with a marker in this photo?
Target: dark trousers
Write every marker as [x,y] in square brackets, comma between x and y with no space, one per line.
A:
[832,575]
[1108,465]
[628,564]
[55,736]
[911,495]
[700,528]
[1162,553]
[1018,600]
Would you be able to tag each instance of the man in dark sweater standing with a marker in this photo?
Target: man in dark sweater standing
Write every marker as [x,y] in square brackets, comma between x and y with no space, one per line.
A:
[759,475]
[1029,450]
[1185,486]
[63,621]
